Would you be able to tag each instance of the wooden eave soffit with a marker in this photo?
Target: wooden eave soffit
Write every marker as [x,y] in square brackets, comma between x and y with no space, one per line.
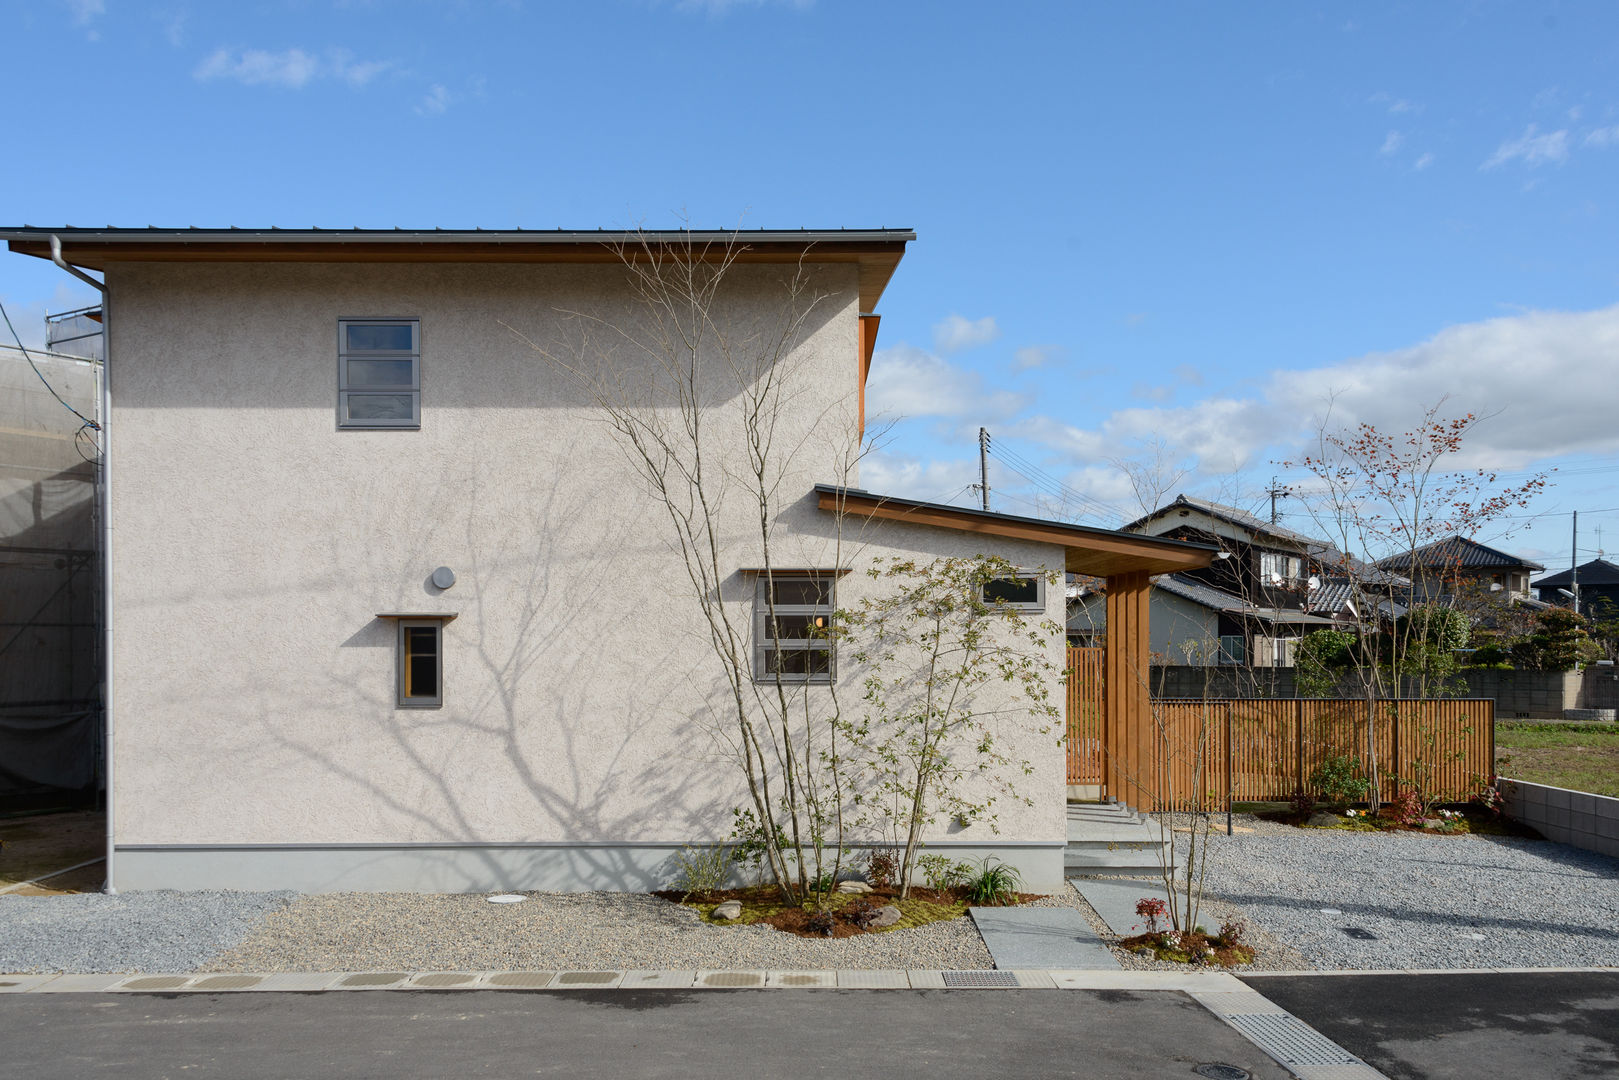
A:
[1101,554]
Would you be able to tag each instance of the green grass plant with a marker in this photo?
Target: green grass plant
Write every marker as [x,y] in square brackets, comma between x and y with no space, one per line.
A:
[1562,755]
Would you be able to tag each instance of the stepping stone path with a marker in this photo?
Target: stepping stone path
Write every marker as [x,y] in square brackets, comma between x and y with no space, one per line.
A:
[1021,938]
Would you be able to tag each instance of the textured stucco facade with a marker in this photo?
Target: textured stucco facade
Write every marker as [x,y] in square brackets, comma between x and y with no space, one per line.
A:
[257,737]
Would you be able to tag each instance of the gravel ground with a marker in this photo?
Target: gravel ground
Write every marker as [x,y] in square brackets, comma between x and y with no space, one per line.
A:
[1533,903]
[150,931]
[577,931]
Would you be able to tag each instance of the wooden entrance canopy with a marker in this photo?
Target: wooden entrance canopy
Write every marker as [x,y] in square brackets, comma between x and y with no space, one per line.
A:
[1128,563]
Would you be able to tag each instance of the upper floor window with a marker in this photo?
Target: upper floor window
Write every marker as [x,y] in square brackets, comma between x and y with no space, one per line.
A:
[379,373]
[793,627]
[1273,566]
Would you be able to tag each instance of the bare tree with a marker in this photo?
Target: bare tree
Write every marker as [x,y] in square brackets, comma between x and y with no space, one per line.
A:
[702,392]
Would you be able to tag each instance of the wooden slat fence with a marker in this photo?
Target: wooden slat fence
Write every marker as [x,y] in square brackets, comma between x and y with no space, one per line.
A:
[1256,749]
[1249,750]
[1087,709]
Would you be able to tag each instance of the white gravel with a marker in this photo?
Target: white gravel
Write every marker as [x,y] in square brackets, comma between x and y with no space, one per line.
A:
[145,931]
[572,931]
[1427,899]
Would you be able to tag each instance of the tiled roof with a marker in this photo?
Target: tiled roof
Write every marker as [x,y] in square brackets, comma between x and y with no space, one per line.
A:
[1595,572]
[1219,600]
[1456,551]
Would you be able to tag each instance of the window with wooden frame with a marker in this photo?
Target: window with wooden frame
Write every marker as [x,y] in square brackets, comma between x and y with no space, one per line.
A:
[421,663]
[793,627]
[1021,592]
[379,373]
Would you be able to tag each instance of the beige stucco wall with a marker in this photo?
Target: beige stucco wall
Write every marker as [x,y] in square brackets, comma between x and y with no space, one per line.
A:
[255,543]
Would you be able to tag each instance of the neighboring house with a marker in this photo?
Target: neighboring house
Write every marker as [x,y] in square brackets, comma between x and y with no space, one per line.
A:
[306,424]
[1598,582]
[1268,586]
[1450,566]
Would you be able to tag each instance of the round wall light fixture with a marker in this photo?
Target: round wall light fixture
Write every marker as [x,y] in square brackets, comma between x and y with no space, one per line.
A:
[443,577]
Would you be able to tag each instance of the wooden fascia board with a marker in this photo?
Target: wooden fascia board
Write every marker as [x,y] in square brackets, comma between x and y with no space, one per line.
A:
[876,260]
[1103,556]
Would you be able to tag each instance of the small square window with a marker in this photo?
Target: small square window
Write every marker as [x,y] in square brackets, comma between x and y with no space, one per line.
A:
[379,373]
[421,663]
[793,628]
[1020,592]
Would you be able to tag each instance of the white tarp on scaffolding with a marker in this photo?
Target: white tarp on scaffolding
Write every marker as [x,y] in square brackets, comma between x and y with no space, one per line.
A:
[49,588]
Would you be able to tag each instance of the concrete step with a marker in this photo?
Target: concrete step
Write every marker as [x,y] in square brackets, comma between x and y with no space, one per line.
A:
[1117,863]
[1112,832]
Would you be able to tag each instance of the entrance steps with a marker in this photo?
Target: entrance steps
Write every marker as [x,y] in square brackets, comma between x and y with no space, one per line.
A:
[1108,839]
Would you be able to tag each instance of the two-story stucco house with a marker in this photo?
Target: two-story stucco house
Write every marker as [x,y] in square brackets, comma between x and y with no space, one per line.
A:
[389,607]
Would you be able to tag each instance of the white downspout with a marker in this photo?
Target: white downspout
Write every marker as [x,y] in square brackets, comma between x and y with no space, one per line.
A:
[104,414]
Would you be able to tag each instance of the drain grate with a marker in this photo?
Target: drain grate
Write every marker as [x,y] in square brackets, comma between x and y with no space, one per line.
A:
[444,978]
[979,978]
[1215,1070]
[1290,1040]
[376,978]
[523,980]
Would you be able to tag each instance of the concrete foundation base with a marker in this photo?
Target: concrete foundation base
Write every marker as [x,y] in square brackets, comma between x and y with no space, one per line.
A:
[463,868]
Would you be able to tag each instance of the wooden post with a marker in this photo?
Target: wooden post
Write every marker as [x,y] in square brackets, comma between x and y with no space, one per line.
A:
[1128,697]
[1394,752]
[1298,743]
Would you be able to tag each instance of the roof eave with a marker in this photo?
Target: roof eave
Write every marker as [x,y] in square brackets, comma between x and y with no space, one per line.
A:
[1090,550]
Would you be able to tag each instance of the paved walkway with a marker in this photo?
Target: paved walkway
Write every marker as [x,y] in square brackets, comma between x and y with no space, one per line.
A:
[1115,900]
[1030,937]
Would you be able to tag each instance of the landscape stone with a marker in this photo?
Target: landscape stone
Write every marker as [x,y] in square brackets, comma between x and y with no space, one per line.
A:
[1323,820]
[887,915]
[852,886]
[731,909]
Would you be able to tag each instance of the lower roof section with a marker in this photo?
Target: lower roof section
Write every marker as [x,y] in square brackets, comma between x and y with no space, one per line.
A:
[1098,552]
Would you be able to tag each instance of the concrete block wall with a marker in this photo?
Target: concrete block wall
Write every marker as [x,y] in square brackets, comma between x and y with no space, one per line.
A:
[1577,818]
[1536,695]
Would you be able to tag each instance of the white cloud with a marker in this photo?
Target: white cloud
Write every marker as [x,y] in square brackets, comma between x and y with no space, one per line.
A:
[85,11]
[1423,162]
[174,27]
[1034,356]
[435,102]
[721,7]
[1391,143]
[909,382]
[1603,137]
[292,68]
[1532,148]
[954,333]
[1392,103]
[1516,370]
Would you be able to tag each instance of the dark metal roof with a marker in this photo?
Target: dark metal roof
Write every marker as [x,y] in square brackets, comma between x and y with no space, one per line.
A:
[1595,572]
[193,234]
[1455,552]
[1219,600]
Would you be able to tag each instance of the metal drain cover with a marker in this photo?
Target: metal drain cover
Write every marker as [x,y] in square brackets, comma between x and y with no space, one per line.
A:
[1359,933]
[1290,1040]
[1217,1071]
[979,978]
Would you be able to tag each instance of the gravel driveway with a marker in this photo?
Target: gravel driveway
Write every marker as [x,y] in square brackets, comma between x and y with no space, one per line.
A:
[1430,901]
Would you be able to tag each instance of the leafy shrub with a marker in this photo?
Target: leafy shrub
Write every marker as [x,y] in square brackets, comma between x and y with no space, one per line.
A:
[861,913]
[940,873]
[701,871]
[1339,779]
[1234,932]
[751,842]
[882,867]
[1488,797]
[1301,802]
[993,884]
[1407,807]
[1152,909]
[820,923]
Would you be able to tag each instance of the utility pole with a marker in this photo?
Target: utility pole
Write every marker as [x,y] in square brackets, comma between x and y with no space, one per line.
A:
[983,466]
[1274,491]
[1574,563]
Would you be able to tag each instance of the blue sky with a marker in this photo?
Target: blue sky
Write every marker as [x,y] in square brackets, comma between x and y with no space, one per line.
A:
[1186,223]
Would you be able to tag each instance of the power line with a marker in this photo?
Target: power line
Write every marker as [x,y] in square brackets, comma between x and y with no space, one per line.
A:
[89,423]
[1050,484]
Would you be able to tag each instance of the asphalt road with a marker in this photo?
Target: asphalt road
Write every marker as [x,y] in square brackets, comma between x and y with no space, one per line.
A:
[1545,1025]
[759,1035]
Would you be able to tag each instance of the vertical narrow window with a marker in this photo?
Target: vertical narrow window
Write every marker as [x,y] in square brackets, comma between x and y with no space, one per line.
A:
[379,373]
[421,664]
[793,627]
